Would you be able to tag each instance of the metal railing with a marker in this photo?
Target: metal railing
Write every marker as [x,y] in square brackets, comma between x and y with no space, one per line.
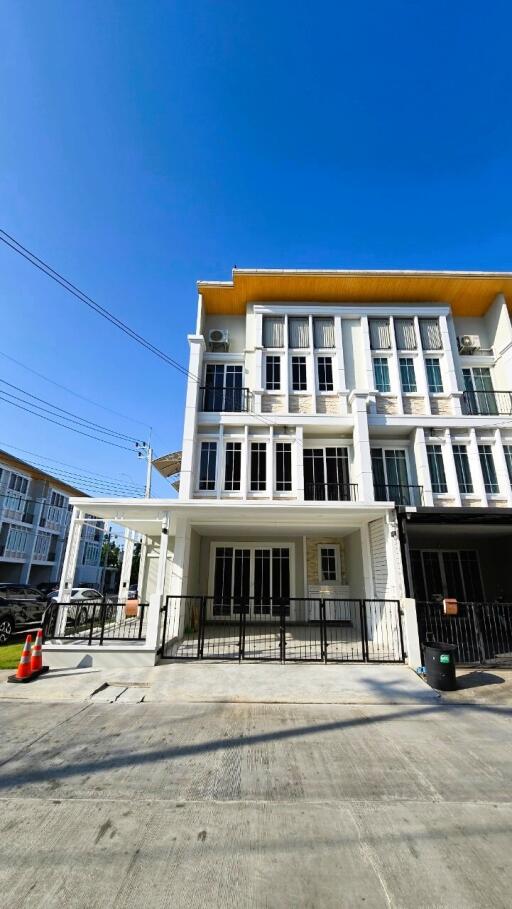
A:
[486,403]
[400,495]
[95,622]
[482,632]
[330,492]
[287,629]
[225,400]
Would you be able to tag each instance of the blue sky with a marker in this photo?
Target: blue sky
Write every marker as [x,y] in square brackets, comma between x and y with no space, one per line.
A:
[146,145]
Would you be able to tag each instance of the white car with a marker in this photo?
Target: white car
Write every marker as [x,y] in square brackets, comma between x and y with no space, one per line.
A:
[83,602]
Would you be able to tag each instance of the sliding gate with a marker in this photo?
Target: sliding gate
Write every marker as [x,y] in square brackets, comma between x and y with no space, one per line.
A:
[291,629]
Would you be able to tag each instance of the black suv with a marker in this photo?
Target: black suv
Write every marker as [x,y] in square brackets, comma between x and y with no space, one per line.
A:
[21,609]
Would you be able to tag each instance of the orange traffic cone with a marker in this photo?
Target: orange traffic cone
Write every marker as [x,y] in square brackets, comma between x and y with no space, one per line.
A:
[36,663]
[24,672]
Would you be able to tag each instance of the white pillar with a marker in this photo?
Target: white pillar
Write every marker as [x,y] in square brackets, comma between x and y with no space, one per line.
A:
[421,369]
[394,369]
[422,468]
[298,464]
[197,347]
[449,342]
[450,469]
[369,589]
[156,599]
[270,463]
[501,468]
[126,567]
[411,634]
[363,474]
[69,567]
[179,577]
[476,468]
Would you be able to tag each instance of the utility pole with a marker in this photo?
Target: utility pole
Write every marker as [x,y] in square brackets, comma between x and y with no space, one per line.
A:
[105,559]
[146,450]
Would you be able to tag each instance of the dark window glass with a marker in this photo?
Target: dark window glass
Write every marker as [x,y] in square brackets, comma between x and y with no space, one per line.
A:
[488,469]
[233,465]
[283,467]
[462,468]
[273,373]
[381,373]
[299,378]
[325,380]
[434,379]
[328,564]
[208,464]
[436,468]
[407,375]
[258,466]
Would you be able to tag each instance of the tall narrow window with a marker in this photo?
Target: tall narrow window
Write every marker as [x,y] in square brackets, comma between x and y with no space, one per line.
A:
[404,334]
[436,468]
[381,373]
[258,466]
[273,331]
[283,467]
[233,465]
[434,378]
[508,458]
[326,474]
[407,375]
[323,332]
[298,331]
[273,373]
[328,564]
[299,377]
[380,338]
[325,380]
[464,480]
[488,469]
[207,465]
[430,334]
[390,479]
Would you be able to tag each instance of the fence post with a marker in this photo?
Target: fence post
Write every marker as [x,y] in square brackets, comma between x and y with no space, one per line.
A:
[412,637]
[241,633]
[200,632]
[282,634]
[364,631]
[479,640]
[103,613]
[153,622]
[323,632]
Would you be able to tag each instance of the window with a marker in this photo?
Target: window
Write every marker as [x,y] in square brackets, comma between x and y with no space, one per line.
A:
[508,458]
[488,469]
[325,380]
[323,332]
[283,467]
[328,564]
[405,335]
[390,479]
[270,570]
[462,467]
[298,331]
[381,373]
[380,338]
[448,573]
[258,466]
[91,554]
[273,331]
[299,378]
[208,465]
[58,500]
[18,484]
[407,374]
[16,541]
[233,466]
[430,334]
[436,468]
[223,388]
[273,373]
[326,474]
[479,396]
[434,379]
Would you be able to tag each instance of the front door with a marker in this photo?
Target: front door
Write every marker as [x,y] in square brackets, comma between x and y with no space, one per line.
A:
[256,578]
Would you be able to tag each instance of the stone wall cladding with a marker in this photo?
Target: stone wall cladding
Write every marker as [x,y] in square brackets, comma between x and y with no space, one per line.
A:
[441,406]
[386,405]
[300,404]
[328,405]
[312,544]
[414,405]
[272,404]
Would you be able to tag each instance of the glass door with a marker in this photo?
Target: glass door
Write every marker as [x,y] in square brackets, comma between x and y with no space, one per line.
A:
[223,387]
[479,388]
[256,579]
[232,580]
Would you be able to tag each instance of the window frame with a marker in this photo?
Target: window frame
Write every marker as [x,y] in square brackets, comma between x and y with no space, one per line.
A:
[274,362]
[433,363]
[232,447]
[490,477]
[336,581]
[213,447]
[327,358]
[464,462]
[258,484]
[286,483]
[296,357]
[438,453]
[407,363]
[382,361]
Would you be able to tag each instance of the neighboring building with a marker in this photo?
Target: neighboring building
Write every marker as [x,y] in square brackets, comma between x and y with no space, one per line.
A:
[34,524]
[348,435]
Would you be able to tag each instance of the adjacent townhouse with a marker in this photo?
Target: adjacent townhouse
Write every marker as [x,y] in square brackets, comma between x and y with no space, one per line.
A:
[34,524]
[347,444]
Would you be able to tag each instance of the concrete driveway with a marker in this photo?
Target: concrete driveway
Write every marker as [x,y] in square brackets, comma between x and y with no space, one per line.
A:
[255,805]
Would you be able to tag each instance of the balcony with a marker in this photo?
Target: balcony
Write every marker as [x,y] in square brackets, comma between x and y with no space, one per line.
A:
[400,495]
[487,403]
[224,400]
[330,492]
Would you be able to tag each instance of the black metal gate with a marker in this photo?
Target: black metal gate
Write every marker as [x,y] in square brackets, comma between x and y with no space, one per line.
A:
[285,630]
[482,632]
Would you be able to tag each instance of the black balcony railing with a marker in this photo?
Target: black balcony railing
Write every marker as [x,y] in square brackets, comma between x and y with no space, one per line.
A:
[487,403]
[225,400]
[400,495]
[330,492]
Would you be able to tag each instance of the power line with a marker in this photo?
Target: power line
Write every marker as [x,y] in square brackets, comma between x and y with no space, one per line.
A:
[71,392]
[64,425]
[82,470]
[50,272]
[72,418]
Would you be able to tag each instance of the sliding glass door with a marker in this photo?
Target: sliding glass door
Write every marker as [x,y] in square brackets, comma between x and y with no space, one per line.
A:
[250,577]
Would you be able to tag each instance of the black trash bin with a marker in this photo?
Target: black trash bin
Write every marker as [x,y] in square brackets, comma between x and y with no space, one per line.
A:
[440,665]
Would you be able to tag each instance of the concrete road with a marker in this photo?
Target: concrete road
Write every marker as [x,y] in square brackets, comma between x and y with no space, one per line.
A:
[255,805]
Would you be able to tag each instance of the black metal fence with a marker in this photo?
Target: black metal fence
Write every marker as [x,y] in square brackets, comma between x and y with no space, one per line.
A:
[482,632]
[401,495]
[330,492]
[291,629]
[487,403]
[225,399]
[95,622]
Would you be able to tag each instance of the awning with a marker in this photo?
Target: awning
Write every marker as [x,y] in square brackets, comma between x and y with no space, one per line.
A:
[168,465]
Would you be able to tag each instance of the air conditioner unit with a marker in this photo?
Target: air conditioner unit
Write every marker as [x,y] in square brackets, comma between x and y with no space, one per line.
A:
[218,337]
[468,344]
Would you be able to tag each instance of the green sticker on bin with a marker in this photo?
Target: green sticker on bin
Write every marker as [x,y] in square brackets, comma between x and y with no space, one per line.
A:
[444,658]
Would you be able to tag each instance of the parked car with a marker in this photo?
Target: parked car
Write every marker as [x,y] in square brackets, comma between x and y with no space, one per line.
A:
[21,609]
[48,587]
[84,602]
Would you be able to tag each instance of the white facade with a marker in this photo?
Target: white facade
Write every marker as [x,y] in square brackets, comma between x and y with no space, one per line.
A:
[34,524]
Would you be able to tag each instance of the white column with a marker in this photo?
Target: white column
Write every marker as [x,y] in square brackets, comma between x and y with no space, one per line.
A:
[450,469]
[367,354]
[422,469]
[394,369]
[156,599]
[421,370]
[311,367]
[501,468]
[197,347]
[410,629]
[270,463]
[69,567]
[449,342]
[362,456]
[244,464]
[179,577]
[369,589]
[298,464]
[27,565]
[259,377]
[219,473]
[285,368]
[476,468]
[126,567]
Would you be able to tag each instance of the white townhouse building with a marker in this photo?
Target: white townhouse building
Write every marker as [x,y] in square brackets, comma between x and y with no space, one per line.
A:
[34,524]
[347,444]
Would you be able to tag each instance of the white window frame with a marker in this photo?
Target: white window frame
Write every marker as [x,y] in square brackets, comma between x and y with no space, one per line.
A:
[252,547]
[284,493]
[304,356]
[277,356]
[322,354]
[207,492]
[338,580]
